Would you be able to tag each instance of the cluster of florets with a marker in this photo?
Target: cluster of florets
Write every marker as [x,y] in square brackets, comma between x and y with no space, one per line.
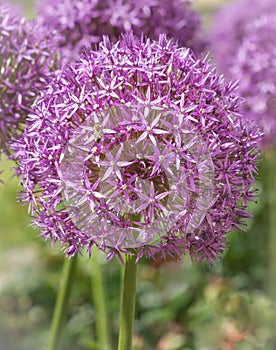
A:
[26,56]
[138,146]
[244,46]
[84,22]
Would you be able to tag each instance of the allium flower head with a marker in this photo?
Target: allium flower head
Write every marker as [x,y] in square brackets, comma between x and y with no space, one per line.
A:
[138,146]
[245,50]
[82,22]
[26,56]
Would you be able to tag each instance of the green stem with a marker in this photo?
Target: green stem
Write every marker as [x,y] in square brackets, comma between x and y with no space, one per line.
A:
[61,306]
[271,193]
[99,303]
[127,303]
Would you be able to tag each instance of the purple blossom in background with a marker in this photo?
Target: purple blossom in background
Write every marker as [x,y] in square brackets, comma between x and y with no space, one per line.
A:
[27,54]
[255,64]
[229,28]
[84,22]
[244,46]
[138,146]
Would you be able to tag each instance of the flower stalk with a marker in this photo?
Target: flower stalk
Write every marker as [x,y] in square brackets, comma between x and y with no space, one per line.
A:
[98,294]
[271,193]
[62,300]
[128,297]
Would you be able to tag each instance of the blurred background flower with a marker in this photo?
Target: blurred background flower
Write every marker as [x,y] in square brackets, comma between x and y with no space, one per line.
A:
[243,44]
[229,26]
[83,22]
[27,55]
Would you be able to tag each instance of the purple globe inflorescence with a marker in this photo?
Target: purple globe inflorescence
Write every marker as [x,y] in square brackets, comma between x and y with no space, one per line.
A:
[244,47]
[138,146]
[86,21]
[27,54]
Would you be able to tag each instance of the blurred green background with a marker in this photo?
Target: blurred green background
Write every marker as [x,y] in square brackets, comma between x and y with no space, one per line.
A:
[180,306]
